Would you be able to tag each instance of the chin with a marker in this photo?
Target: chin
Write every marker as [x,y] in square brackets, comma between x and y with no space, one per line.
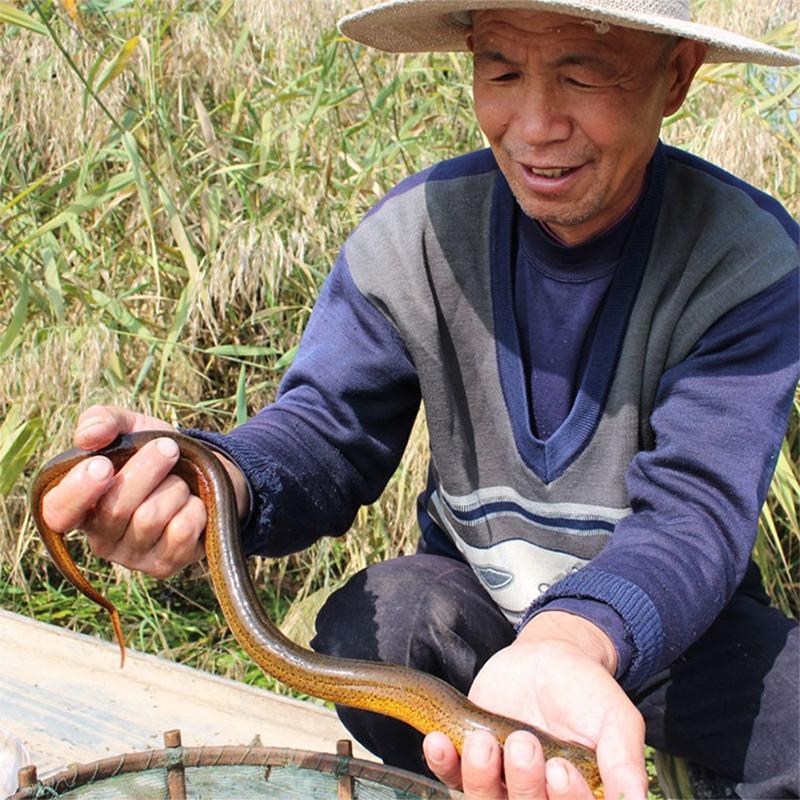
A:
[563,215]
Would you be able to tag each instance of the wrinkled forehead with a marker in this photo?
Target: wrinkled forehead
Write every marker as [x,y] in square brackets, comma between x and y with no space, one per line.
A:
[512,28]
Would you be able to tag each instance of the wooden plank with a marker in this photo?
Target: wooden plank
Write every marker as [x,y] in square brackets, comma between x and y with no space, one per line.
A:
[64,695]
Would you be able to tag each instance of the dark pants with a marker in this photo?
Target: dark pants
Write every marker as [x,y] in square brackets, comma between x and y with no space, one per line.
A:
[730,704]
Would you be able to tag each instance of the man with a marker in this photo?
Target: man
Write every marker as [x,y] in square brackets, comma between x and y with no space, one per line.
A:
[603,331]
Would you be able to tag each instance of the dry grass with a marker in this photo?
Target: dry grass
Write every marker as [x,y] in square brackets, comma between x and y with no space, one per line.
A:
[728,119]
[254,139]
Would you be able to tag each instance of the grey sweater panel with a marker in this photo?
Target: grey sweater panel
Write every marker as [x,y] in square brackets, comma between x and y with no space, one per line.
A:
[714,249]
[434,286]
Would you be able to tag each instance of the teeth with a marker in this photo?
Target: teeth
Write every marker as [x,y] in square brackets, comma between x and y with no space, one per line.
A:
[550,173]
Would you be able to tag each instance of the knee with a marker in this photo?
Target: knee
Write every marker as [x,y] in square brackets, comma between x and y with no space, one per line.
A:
[345,625]
[426,612]
[388,611]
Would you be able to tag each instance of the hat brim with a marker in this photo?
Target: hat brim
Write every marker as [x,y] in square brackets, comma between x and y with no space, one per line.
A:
[414,26]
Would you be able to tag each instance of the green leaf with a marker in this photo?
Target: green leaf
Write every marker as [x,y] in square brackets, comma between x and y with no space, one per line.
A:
[86,202]
[13,16]
[18,441]
[119,63]
[107,6]
[294,149]
[241,396]
[18,317]
[286,358]
[147,365]
[240,350]
[179,321]
[181,237]
[132,150]
[55,293]
[120,314]
[17,198]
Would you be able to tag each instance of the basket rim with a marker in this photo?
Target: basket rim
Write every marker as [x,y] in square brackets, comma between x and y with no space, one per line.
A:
[181,757]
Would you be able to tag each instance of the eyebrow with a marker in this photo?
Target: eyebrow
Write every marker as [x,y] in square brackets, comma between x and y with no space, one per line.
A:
[584,60]
[494,57]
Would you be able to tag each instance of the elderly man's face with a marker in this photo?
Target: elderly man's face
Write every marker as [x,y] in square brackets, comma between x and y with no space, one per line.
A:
[573,113]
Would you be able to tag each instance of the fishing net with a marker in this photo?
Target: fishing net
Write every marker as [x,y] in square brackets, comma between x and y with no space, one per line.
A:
[232,773]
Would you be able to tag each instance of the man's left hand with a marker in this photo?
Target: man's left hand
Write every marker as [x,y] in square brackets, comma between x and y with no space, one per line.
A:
[557,676]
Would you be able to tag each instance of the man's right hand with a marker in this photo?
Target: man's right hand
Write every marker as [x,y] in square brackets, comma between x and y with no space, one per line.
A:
[142,517]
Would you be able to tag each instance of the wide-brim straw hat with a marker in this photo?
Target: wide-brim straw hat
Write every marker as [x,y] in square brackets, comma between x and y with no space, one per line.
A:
[413,26]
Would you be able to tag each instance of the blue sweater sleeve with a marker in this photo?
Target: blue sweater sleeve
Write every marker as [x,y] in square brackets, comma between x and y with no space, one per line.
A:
[337,429]
[720,417]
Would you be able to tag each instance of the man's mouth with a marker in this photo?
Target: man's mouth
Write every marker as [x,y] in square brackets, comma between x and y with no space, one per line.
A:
[550,172]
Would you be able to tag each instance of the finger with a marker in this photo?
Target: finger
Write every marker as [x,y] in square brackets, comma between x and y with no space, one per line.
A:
[65,505]
[523,762]
[181,543]
[620,755]
[98,426]
[442,759]
[108,522]
[482,767]
[151,517]
[564,781]
[626,779]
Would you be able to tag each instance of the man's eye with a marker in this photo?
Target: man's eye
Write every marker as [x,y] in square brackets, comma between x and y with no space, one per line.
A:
[580,84]
[505,77]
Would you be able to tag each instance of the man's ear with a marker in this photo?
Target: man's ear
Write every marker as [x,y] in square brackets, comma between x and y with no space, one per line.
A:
[469,38]
[685,59]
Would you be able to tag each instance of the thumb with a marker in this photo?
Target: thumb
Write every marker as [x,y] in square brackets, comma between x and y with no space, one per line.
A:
[564,782]
[99,426]
[620,756]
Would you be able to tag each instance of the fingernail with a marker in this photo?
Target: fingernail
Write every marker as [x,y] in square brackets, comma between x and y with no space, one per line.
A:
[479,752]
[521,752]
[557,776]
[99,469]
[167,447]
[435,753]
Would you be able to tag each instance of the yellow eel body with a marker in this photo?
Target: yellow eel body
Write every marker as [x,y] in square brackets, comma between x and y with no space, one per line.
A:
[419,699]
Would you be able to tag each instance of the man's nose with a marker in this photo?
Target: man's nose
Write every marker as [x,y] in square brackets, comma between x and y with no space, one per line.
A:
[540,118]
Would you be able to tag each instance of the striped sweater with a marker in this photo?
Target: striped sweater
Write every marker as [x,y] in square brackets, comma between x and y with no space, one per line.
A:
[649,487]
